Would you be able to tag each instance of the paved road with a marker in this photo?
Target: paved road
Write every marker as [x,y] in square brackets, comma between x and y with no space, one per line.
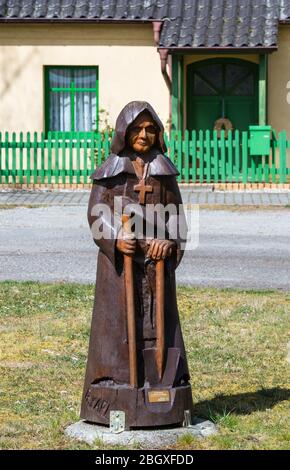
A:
[246,249]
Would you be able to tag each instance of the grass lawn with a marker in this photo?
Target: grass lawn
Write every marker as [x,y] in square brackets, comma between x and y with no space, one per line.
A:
[238,350]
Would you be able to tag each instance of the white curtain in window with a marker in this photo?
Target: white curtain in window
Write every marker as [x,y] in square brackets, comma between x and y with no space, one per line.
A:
[60,109]
[85,102]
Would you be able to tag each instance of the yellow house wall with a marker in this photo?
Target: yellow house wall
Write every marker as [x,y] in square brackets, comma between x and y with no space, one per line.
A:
[189,59]
[129,68]
[126,73]
[279,83]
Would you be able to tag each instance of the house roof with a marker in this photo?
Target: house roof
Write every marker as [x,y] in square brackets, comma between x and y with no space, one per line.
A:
[187,24]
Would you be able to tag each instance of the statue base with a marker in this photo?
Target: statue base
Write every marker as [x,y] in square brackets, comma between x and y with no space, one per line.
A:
[143,407]
[143,438]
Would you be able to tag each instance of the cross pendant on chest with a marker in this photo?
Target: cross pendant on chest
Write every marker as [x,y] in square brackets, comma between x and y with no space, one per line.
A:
[143,188]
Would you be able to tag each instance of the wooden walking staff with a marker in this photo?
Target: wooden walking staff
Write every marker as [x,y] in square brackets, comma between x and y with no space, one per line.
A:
[129,289]
[160,316]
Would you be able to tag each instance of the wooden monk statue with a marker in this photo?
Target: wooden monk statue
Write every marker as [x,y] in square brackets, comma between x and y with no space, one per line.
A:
[136,361]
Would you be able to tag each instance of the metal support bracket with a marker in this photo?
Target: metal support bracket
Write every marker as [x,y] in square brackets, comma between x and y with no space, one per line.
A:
[117,421]
[187,423]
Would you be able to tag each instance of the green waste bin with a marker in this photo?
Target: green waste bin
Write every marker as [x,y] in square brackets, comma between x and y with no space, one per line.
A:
[260,140]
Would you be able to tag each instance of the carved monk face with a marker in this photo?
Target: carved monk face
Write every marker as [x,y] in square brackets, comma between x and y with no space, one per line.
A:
[142,133]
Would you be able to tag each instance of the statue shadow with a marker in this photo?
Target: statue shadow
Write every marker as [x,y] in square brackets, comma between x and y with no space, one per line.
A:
[240,404]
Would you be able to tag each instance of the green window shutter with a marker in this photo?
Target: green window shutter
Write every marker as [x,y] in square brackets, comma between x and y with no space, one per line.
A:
[71,100]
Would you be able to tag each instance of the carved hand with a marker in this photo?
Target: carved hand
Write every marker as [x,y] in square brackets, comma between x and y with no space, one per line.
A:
[160,249]
[126,245]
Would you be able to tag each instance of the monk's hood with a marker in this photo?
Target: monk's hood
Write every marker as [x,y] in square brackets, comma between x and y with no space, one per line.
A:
[128,114]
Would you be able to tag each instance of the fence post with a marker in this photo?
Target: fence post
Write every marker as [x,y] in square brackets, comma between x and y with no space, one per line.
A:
[99,151]
[85,154]
[274,146]
[193,155]
[186,157]
[94,139]
[179,156]
[49,158]
[6,144]
[207,156]
[283,151]
[41,170]
[70,146]
[28,147]
[230,155]
[215,157]
[223,156]
[13,144]
[35,158]
[78,145]
[55,171]
[63,160]
[245,157]
[237,156]
[201,156]
[21,145]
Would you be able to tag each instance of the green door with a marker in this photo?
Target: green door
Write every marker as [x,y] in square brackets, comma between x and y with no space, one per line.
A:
[222,88]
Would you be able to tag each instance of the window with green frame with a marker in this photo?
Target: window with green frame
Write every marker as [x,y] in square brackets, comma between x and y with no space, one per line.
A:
[71,99]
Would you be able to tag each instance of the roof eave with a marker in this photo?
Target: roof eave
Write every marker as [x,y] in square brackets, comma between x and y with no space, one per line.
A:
[230,49]
[74,20]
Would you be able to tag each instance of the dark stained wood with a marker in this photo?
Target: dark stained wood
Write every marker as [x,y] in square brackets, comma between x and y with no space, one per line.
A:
[138,409]
[160,341]
[151,372]
[136,343]
[129,289]
[172,362]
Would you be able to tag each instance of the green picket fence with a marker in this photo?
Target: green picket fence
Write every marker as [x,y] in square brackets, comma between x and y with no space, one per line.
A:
[202,157]
[51,159]
[207,157]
